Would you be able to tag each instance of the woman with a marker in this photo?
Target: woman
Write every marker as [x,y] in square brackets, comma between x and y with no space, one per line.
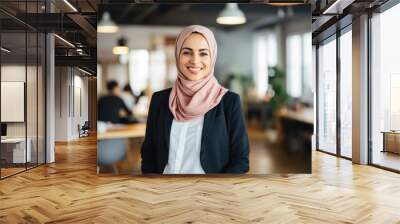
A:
[197,126]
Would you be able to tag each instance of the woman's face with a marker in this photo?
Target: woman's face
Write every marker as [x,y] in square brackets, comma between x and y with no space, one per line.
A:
[195,58]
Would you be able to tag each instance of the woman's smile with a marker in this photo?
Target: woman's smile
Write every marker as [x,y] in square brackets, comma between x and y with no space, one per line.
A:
[194,69]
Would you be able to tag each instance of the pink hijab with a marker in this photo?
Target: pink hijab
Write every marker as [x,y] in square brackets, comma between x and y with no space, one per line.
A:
[191,99]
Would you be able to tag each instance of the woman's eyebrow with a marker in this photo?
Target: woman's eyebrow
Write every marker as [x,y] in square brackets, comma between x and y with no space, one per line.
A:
[190,49]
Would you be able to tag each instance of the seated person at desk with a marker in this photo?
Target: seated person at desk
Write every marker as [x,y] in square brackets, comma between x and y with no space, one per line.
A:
[197,127]
[128,97]
[111,108]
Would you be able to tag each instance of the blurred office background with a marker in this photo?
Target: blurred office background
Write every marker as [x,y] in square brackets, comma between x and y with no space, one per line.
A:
[267,60]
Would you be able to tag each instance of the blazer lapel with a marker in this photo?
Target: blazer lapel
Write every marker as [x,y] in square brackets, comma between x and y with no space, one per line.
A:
[167,129]
[208,119]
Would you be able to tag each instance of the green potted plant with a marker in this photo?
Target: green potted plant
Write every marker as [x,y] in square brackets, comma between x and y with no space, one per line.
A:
[278,84]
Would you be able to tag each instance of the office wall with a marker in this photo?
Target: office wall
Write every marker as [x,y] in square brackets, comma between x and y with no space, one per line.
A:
[234,52]
[80,104]
[71,102]
[62,81]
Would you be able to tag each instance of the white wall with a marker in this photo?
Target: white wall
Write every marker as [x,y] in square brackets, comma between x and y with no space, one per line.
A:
[61,103]
[70,83]
[235,52]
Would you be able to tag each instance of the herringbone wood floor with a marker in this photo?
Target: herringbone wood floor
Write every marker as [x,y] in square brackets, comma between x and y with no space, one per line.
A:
[69,191]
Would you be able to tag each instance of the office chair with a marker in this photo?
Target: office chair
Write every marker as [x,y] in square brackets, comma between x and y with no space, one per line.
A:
[84,130]
[110,152]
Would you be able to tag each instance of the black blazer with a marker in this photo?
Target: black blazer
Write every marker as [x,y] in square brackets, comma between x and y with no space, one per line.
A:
[224,142]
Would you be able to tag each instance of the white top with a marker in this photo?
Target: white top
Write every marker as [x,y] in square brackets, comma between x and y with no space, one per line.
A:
[128,99]
[184,147]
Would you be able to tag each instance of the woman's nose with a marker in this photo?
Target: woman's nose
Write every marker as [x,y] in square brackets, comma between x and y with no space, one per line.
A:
[194,58]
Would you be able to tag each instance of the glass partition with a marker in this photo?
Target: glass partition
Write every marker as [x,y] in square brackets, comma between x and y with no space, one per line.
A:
[22,91]
[13,120]
[327,96]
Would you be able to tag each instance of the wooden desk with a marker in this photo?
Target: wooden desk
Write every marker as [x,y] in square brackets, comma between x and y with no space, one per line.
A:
[125,131]
[306,115]
[295,130]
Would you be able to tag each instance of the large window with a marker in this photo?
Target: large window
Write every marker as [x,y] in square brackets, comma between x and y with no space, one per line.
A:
[266,54]
[143,63]
[298,66]
[385,89]
[327,96]
[139,70]
[294,72]
[346,94]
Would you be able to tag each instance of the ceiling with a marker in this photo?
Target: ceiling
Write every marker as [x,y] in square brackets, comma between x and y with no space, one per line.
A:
[77,27]
[328,16]
[186,14]
[140,22]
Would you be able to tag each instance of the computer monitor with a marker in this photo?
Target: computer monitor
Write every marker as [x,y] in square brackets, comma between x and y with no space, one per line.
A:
[3,129]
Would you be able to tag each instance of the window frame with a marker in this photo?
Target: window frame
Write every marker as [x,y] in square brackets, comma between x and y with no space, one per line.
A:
[333,37]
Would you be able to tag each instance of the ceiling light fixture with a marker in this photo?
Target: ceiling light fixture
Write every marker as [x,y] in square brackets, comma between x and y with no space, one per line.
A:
[121,47]
[231,15]
[284,2]
[5,50]
[79,51]
[70,5]
[106,25]
[84,71]
[64,40]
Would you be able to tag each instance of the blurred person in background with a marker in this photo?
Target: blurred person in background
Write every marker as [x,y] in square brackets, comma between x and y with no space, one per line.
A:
[197,127]
[111,108]
[128,97]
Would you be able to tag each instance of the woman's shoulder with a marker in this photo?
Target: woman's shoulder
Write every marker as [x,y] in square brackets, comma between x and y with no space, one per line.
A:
[231,97]
[162,94]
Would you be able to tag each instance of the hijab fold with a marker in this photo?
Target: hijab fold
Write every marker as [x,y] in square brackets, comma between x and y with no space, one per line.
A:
[190,99]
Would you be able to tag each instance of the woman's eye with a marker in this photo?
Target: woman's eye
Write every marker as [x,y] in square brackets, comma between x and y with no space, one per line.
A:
[185,53]
[203,54]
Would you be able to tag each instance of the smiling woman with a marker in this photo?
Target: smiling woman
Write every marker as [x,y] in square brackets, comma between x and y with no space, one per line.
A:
[179,138]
